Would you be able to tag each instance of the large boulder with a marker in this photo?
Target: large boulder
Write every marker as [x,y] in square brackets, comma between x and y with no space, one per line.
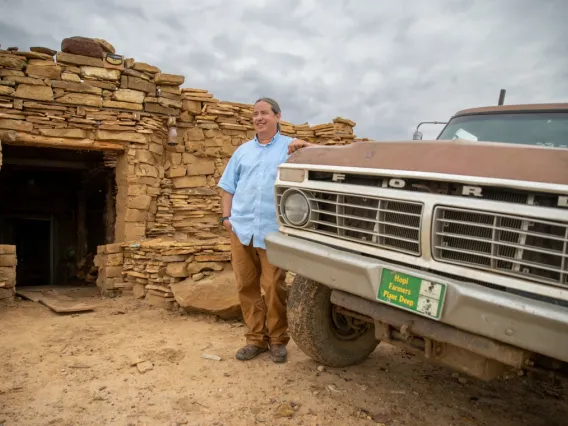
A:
[82,46]
[217,296]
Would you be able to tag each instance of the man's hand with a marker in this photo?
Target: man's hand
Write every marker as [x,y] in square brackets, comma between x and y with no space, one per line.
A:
[297,144]
[227,225]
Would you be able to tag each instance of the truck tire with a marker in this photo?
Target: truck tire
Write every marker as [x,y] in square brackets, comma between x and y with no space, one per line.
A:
[313,325]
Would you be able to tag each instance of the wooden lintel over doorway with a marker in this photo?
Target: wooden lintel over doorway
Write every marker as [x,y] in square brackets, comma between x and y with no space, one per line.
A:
[12,137]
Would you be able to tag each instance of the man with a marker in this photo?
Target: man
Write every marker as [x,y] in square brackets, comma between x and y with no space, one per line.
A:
[249,214]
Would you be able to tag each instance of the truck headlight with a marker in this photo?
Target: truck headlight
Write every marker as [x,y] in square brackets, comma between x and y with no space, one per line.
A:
[295,207]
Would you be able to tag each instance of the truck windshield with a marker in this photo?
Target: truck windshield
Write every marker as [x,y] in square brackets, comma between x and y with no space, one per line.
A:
[543,129]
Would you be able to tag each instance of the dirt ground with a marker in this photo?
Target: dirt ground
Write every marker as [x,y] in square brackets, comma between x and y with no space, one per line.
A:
[77,370]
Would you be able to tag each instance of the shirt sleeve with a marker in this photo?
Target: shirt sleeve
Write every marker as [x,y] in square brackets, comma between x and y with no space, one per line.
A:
[230,178]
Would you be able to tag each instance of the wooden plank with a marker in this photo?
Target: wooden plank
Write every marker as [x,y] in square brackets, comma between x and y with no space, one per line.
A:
[26,139]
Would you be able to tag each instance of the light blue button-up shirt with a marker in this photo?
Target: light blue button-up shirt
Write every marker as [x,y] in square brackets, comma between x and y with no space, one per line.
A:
[250,176]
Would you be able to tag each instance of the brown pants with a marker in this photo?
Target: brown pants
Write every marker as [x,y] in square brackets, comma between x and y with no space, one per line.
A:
[266,321]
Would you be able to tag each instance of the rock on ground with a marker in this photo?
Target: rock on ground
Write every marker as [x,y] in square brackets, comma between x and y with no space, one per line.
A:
[216,296]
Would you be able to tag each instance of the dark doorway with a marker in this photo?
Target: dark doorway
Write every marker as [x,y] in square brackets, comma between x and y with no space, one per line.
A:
[56,206]
[32,237]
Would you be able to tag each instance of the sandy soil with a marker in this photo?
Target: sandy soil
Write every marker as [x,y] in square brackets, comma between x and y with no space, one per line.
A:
[76,370]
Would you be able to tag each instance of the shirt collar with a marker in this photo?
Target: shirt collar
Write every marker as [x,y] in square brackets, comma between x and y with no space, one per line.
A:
[271,140]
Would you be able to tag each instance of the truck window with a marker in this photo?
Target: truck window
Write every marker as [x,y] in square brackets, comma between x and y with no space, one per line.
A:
[543,129]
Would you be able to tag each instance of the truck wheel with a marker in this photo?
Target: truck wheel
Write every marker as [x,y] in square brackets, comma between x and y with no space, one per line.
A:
[321,332]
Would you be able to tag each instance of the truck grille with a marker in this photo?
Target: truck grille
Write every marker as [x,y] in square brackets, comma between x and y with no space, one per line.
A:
[507,244]
[374,221]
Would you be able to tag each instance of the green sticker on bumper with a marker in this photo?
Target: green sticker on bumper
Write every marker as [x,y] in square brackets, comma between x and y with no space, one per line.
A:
[412,293]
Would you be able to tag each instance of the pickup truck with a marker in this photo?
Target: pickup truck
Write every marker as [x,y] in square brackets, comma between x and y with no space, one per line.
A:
[455,249]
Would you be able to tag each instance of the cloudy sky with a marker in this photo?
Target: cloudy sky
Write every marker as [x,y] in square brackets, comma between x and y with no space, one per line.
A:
[386,65]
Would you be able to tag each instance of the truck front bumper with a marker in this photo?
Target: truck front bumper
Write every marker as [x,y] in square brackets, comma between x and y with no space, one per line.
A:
[529,324]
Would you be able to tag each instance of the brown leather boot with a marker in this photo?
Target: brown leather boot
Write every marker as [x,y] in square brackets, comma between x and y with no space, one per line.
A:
[278,353]
[248,352]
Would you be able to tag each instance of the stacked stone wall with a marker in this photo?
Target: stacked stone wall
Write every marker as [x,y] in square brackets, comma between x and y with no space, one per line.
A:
[169,146]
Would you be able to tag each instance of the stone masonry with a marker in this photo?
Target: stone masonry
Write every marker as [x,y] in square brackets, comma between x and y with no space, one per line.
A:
[168,144]
[8,263]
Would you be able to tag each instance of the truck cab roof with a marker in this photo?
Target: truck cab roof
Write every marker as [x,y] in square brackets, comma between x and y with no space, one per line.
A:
[519,108]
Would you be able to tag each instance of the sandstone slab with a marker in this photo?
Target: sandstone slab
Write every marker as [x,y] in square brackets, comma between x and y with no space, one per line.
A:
[112,271]
[6,90]
[169,79]
[194,134]
[204,167]
[25,80]
[169,103]
[68,58]
[177,270]
[144,67]
[106,85]
[6,73]
[7,249]
[13,61]
[197,267]
[192,106]
[152,107]
[8,275]
[102,73]
[173,90]
[177,171]
[140,202]
[81,99]
[147,170]
[145,157]
[139,291]
[82,46]
[36,93]
[107,135]
[35,55]
[53,72]
[67,76]
[218,296]
[128,95]
[77,87]
[140,84]
[133,73]
[42,62]
[10,260]
[64,133]
[6,293]
[19,125]
[189,181]
[122,105]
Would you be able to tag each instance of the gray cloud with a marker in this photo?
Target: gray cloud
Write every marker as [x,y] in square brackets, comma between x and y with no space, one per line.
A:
[385,65]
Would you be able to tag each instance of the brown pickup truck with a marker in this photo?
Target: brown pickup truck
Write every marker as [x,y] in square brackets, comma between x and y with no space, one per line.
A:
[455,249]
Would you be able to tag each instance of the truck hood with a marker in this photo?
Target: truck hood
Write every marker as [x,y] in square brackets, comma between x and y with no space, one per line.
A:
[457,157]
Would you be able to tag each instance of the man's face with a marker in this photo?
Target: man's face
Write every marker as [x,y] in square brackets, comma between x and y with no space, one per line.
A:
[264,119]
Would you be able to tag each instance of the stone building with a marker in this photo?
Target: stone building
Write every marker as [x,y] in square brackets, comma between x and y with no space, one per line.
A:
[108,171]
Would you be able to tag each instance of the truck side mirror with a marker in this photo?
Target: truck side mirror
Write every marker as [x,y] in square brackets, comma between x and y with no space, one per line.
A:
[417,136]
